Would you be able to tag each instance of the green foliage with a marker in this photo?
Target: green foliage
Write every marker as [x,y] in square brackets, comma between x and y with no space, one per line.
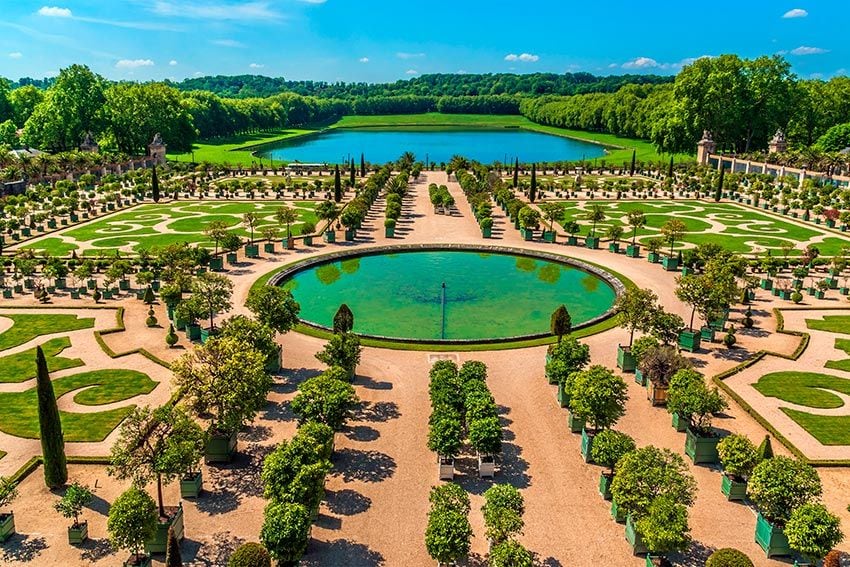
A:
[689,397]
[647,473]
[295,470]
[250,555]
[254,333]
[503,509]
[132,520]
[643,345]
[274,307]
[343,350]
[50,427]
[609,446]
[779,485]
[738,455]
[445,436]
[664,528]
[560,322]
[8,492]
[171,337]
[449,496]
[636,308]
[813,531]
[661,363]
[598,396]
[149,297]
[76,497]
[343,319]
[285,531]
[212,293]
[26,327]
[485,435]
[728,557]
[447,537]
[835,139]
[510,553]
[567,357]
[172,550]
[765,449]
[324,399]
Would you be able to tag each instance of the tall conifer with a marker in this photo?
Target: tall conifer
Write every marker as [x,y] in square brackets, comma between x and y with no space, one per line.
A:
[52,439]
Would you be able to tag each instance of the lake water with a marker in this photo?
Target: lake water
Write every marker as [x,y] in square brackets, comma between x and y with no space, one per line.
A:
[485,295]
[381,145]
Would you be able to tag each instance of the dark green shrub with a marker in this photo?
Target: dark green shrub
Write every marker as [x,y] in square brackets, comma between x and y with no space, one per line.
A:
[728,557]
[250,555]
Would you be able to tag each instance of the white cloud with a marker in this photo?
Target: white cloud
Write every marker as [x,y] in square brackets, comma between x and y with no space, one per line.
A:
[198,74]
[133,63]
[16,55]
[216,10]
[173,62]
[363,60]
[405,55]
[806,50]
[795,13]
[524,57]
[256,65]
[641,63]
[54,12]
[227,43]
[613,66]
[411,72]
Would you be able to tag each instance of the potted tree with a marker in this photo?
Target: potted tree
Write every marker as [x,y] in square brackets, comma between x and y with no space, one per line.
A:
[225,382]
[287,217]
[813,531]
[635,307]
[286,531]
[445,439]
[132,521]
[657,366]
[8,493]
[270,233]
[231,242]
[503,509]
[552,212]
[186,316]
[217,232]
[664,529]
[529,221]
[607,449]
[689,396]
[598,398]
[327,398]
[613,234]
[594,215]
[350,219]
[485,436]
[636,220]
[653,245]
[572,228]
[343,350]
[76,498]
[249,221]
[447,537]
[159,445]
[637,351]
[487,227]
[211,294]
[738,456]
[275,308]
[672,230]
[564,359]
[778,486]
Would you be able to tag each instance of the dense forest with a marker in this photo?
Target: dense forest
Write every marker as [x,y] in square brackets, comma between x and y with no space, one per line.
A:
[742,102]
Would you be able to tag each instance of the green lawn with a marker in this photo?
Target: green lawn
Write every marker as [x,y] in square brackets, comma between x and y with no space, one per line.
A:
[20,367]
[150,226]
[843,364]
[831,323]
[829,430]
[804,388]
[27,326]
[19,410]
[236,149]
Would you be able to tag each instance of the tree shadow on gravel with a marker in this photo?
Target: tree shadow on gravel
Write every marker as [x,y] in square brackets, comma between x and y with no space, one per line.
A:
[347,502]
[211,553]
[365,466]
[341,552]
[377,412]
[695,556]
[230,483]
[732,354]
[293,378]
[22,548]
[371,384]
[362,433]
[256,433]
[95,549]
[513,469]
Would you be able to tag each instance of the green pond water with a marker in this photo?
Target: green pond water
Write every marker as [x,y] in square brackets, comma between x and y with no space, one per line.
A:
[486,295]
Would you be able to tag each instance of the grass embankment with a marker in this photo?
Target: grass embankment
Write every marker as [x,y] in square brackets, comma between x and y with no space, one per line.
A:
[237,149]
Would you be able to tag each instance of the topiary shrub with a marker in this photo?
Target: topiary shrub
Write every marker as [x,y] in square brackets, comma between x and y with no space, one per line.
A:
[728,557]
[151,320]
[171,337]
[250,555]
[796,297]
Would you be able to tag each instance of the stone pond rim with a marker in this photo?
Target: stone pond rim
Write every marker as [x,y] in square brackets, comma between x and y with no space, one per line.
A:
[617,286]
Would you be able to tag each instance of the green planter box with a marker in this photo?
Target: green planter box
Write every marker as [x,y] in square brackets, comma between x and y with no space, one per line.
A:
[252,251]
[389,231]
[216,263]
[707,334]
[701,449]
[527,234]
[670,263]
[180,324]
[771,538]
[159,541]
[124,285]
[605,485]
[633,250]
[18,288]
[733,489]
[29,284]
[207,333]
[220,448]
[308,241]
[689,340]
[634,538]
[25,231]
[7,294]
[563,399]
[51,224]
[550,379]
[786,293]
[61,283]
[686,271]
[549,236]
[591,242]
[614,247]
[193,332]
[350,233]
[7,526]
[844,290]
[268,247]
[653,257]
[766,283]
[231,257]
[833,283]
[329,236]
[487,232]
[191,485]
[572,240]
[107,294]
[79,533]
[625,360]
[576,425]
[586,445]
[820,294]
[639,378]
[680,423]
[618,515]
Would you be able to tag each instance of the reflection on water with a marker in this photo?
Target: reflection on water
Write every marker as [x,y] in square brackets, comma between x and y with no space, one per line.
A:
[328,274]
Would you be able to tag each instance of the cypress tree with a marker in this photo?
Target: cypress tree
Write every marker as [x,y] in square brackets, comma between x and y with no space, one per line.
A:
[343,319]
[352,172]
[561,323]
[718,191]
[52,439]
[155,185]
[516,173]
[362,166]
[172,550]
[337,185]
[634,157]
[532,191]
[670,169]
[765,449]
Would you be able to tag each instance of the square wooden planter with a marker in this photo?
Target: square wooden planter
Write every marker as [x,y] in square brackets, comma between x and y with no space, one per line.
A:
[252,251]
[771,538]
[446,467]
[625,360]
[701,449]
[618,515]
[575,424]
[591,242]
[633,250]
[733,489]
[679,423]
[634,538]
[639,377]
[656,393]
[670,263]
[586,445]
[220,448]
[159,541]
[563,399]
[766,284]
[549,236]
[231,257]
[216,263]
[653,257]
[7,526]
[486,466]
[689,340]
[605,485]
[191,485]
[78,534]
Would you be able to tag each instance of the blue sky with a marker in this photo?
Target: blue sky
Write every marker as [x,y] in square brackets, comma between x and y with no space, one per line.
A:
[385,40]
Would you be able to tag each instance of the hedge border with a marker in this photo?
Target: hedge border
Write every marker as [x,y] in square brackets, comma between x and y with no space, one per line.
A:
[805,338]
